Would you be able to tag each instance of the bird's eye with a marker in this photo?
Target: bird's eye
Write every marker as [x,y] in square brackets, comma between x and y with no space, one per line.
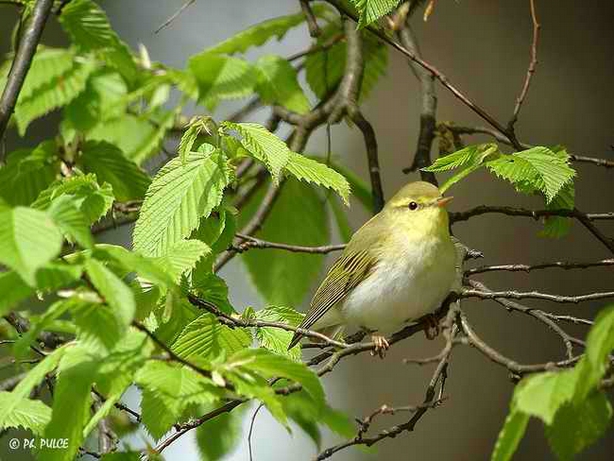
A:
[413,206]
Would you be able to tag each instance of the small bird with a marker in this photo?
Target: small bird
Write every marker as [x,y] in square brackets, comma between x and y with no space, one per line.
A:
[398,267]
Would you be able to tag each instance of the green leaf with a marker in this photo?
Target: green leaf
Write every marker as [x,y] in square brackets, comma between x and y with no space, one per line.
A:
[510,436]
[555,226]
[206,338]
[276,339]
[537,168]
[262,145]
[89,29]
[122,456]
[194,129]
[341,219]
[47,64]
[183,257]
[167,391]
[270,365]
[27,173]
[314,172]
[213,288]
[260,33]
[68,217]
[134,135]
[372,10]
[176,200]
[278,84]
[13,289]
[55,93]
[99,328]
[579,425]
[360,189]
[543,394]
[29,414]
[221,77]
[94,200]
[325,69]
[218,436]
[298,217]
[109,164]
[71,404]
[28,240]
[115,292]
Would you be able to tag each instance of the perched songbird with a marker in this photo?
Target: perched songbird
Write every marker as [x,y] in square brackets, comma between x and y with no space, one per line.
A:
[398,267]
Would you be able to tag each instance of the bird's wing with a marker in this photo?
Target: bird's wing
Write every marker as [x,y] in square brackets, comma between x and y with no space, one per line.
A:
[347,272]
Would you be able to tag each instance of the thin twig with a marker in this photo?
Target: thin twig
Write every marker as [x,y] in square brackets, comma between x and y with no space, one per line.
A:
[428,107]
[252,242]
[174,16]
[510,294]
[312,23]
[530,69]
[566,265]
[23,59]
[251,431]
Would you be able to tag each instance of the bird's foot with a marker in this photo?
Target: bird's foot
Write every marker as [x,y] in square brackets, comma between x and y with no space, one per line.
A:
[431,327]
[381,346]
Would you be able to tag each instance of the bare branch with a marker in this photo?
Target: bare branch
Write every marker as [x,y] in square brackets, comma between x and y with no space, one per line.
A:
[566,265]
[530,70]
[510,294]
[175,15]
[428,107]
[23,59]
[252,242]
[312,23]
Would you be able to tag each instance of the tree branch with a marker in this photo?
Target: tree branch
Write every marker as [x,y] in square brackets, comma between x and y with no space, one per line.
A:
[510,294]
[252,242]
[23,59]
[530,70]
[428,105]
[531,267]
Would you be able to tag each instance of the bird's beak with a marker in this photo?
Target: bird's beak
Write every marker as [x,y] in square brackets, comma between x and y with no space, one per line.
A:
[443,201]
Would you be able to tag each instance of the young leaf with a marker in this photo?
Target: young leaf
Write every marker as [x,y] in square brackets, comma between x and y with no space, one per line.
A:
[28,414]
[263,145]
[98,327]
[115,292]
[89,29]
[206,338]
[260,33]
[14,291]
[68,217]
[218,436]
[312,171]
[537,168]
[28,240]
[109,164]
[55,93]
[556,226]
[195,127]
[510,436]
[176,200]
[221,77]
[372,10]
[167,391]
[183,256]
[298,217]
[360,189]
[578,425]
[47,64]
[278,84]
[276,339]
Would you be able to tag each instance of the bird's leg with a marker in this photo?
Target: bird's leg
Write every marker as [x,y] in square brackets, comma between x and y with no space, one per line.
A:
[431,327]
[381,345]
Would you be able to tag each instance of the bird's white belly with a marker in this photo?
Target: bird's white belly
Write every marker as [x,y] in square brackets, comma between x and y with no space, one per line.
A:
[404,289]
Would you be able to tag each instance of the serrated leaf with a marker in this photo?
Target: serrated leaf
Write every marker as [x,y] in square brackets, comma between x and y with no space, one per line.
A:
[14,290]
[167,391]
[510,436]
[89,29]
[53,94]
[221,77]
[206,338]
[98,327]
[47,64]
[29,414]
[195,127]
[28,240]
[278,84]
[27,173]
[68,217]
[555,226]
[298,217]
[218,436]
[259,34]
[183,256]
[263,145]
[107,162]
[176,200]
[213,289]
[325,69]
[312,171]
[115,292]
[578,425]
[543,394]
[465,156]
[372,10]
[276,339]
[360,189]
[538,168]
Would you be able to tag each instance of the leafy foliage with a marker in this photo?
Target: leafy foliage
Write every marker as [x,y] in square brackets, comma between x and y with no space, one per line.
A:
[372,10]
[278,84]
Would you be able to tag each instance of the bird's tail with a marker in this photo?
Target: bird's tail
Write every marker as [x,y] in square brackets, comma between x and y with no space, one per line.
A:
[331,331]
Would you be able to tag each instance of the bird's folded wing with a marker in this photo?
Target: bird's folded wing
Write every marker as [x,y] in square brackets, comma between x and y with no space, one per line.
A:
[349,270]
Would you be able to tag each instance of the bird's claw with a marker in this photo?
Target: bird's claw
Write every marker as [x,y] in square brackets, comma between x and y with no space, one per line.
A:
[431,328]
[381,346]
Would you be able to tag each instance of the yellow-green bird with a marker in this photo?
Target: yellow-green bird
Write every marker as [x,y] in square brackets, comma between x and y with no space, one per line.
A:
[397,267]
